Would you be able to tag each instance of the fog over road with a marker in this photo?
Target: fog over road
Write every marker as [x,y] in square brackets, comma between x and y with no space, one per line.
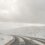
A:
[23,17]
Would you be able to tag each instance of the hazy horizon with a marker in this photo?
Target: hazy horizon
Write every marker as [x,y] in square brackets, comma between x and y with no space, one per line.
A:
[22,13]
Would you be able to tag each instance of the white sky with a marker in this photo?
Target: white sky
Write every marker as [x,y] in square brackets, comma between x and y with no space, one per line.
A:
[31,10]
[8,7]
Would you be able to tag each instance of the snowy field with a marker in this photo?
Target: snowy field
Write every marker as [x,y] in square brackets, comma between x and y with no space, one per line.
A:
[23,29]
[4,39]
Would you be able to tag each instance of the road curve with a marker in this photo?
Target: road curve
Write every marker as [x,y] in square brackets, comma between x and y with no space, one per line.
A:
[28,41]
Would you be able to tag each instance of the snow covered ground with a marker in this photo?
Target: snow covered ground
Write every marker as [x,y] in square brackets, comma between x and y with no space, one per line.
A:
[25,29]
[4,39]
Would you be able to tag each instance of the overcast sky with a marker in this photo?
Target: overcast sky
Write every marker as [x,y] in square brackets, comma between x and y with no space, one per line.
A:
[31,11]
